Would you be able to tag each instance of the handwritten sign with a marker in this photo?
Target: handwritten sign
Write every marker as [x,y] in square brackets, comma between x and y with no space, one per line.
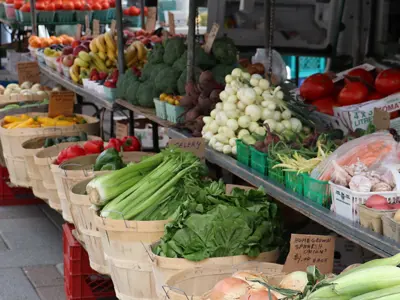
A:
[61,103]
[113,26]
[78,33]
[28,71]
[309,250]
[211,38]
[194,145]
[151,19]
[87,25]
[121,129]
[96,27]
[230,187]
[171,23]
[381,119]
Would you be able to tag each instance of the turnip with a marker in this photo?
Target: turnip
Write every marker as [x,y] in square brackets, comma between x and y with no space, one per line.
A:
[261,131]
[229,106]
[286,115]
[232,142]
[232,124]
[296,125]
[266,114]
[213,113]
[271,123]
[241,106]
[237,73]
[277,115]
[232,114]
[219,106]
[207,120]
[227,149]
[234,150]
[258,90]
[208,135]
[213,127]
[263,83]
[244,121]
[248,96]
[254,112]
[228,78]
[246,76]
[223,96]
[279,127]
[242,133]
[253,126]
[287,124]
[232,99]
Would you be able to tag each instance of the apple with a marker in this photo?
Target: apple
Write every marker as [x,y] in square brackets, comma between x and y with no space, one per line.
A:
[67,50]
[68,60]
[86,43]
[79,49]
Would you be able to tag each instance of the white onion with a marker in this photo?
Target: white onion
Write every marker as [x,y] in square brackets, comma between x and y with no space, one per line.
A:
[296,281]
[237,72]
[258,295]
[229,288]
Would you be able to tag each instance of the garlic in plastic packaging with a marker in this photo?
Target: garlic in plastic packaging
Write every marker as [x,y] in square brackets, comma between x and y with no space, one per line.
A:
[381,187]
[360,183]
[339,175]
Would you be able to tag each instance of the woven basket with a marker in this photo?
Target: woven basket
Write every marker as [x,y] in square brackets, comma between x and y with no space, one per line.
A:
[195,283]
[165,267]
[42,159]
[125,246]
[13,139]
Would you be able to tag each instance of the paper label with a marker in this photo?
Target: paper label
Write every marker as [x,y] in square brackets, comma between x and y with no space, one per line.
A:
[61,103]
[230,187]
[122,129]
[194,145]
[113,26]
[87,26]
[78,33]
[28,71]
[96,27]
[171,23]
[151,19]
[211,38]
[310,250]
[381,119]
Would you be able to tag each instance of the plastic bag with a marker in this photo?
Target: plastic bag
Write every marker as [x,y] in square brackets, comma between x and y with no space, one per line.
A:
[373,150]
[278,65]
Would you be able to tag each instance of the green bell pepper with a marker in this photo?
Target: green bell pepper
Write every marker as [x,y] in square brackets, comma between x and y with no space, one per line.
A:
[109,156]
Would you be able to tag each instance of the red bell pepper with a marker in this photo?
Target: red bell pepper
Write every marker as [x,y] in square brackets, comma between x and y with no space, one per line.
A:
[131,143]
[70,152]
[114,143]
[93,147]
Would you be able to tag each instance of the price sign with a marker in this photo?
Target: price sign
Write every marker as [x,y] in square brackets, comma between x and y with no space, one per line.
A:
[28,71]
[151,19]
[113,26]
[61,103]
[310,250]
[78,33]
[87,26]
[194,145]
[171,23]
[381,119]
[96,27]
[211,38]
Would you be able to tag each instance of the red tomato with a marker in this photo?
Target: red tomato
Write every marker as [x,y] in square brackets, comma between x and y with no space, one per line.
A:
[10,1]
[316,86]
[105,5]
[388,82]
[78,5]
[86,6]
[18,4]
[112,3]
[126,11]
[26,7]
[353,93]
[39,6]
[96,6]
[50,7]
[68,6]
[325,105]
[58,5]
[362,74]
[134,11]
[375,96]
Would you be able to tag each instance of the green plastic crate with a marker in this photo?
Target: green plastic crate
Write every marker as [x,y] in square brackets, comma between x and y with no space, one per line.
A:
[80,16]
[174,113]
[65,16]
[110,94]
[316,190]
[100,15]
[243,153]
[259,161]
[26,17]
[276,174]
[111,14]
[161,109]
[294,182]
[46,17]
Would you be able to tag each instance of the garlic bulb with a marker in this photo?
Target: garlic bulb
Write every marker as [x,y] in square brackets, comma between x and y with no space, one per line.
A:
[360,183]
[381,187]
[339,175]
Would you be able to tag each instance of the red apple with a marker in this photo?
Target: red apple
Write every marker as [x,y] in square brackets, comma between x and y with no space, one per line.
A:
[68,60]
[67,50]
[79,49]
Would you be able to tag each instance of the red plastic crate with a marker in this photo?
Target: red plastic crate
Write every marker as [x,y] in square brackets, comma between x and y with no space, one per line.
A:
[80,281]
[14,195]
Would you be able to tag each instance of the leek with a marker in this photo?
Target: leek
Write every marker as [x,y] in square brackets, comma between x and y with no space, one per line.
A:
[106,187]
[380,294]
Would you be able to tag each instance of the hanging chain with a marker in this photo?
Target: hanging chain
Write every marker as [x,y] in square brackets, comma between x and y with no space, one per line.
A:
[271,36]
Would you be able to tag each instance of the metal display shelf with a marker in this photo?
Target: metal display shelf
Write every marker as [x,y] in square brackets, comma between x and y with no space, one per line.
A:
[80,90]
[367,239]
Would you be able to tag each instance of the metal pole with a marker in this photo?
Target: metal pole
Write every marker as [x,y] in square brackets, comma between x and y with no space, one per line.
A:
[33,16]
[267,28]
[142,14]
[120,36]
[191,40]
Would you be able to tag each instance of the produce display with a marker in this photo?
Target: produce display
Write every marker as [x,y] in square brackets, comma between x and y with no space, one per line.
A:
[25,121]
[42,42]
[25,89]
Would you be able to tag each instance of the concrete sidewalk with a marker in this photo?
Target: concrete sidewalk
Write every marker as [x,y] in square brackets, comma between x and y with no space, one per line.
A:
[30,249]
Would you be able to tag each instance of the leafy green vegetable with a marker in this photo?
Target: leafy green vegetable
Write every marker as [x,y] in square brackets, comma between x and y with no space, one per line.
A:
[181,63]
[213,224]
[132,91]
[157,69]
[202,59]
[225,51]
[146,93]
[146,72]
[174,49]
[166,81]
[156,55]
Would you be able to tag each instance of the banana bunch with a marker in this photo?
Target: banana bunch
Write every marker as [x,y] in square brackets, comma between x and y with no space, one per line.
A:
[103,51]
[135,55]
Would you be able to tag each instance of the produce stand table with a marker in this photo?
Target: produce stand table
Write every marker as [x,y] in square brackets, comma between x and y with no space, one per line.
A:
[376,243]
[150,114]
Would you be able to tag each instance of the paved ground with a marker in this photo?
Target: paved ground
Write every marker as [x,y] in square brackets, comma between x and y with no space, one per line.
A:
[30,249]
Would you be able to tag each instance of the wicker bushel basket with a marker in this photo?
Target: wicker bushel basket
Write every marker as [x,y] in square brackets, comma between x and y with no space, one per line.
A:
[42,159]
[164,267]
[82,216]
[125,245]
[12,140]
[196,283]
